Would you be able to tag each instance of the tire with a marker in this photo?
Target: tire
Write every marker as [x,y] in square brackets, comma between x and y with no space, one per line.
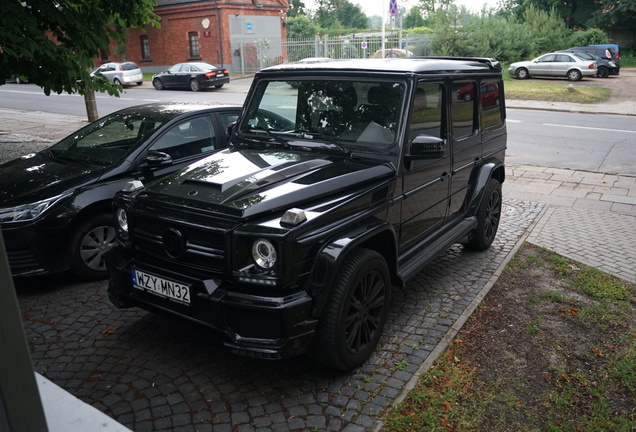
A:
[89,242]
[116,82]
[602,72]
[218,86]
[522,73]
[157,84]
[351,324]
[140,82]
[467,97]
[194,85]
[575,75]
[488,217]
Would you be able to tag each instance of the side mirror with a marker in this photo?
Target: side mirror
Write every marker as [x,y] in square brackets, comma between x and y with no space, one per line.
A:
[156,159]
[230,129]
[426,147]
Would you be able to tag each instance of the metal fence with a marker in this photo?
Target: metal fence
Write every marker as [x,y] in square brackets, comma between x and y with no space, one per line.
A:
[262,53]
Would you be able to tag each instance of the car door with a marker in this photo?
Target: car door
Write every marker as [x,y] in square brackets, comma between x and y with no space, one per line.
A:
[171,78]
[563,63]
[465,139]
[543,65]
[185,142]
[425,182]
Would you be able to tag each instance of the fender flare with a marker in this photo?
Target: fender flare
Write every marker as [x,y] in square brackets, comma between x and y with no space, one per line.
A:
[372,234]
[491,169]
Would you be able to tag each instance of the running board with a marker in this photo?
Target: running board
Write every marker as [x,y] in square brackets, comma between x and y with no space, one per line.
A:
[431,250]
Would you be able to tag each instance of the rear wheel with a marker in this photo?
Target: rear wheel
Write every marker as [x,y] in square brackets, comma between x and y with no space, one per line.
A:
[488,216]
[157,84]
[522,73]
[218,86]
[89,243]
[116,82]
[354,317]
[575,75]
[602,72]
[194,85]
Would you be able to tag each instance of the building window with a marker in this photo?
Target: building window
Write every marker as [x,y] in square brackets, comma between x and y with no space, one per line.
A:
[103,55]
[194,44]
[145,47]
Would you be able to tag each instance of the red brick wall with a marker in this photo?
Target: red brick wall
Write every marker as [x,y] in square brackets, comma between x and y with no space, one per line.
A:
[169,44]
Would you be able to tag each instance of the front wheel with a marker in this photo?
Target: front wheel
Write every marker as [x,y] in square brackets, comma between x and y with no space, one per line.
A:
[575,75]
[522,73]
[488,217]
[194,85]
[157,84]
[89,242]
[354,317]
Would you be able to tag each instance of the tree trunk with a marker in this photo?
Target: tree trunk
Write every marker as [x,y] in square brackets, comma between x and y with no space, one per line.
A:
[91,104]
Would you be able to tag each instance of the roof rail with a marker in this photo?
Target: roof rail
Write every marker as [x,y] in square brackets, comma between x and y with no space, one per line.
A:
[491,62]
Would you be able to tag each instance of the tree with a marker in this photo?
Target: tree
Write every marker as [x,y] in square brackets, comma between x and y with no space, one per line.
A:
[300,27]
[54,43]
[332,14]
[413,18]
[296,8]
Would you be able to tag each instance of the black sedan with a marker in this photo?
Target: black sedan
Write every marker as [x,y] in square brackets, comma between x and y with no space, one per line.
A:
[55,205]
[193,76]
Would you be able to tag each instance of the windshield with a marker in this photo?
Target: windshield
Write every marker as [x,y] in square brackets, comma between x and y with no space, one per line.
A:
[109,139]
[349,113]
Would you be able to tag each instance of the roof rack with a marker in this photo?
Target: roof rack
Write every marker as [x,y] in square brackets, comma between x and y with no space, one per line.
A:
[491,62]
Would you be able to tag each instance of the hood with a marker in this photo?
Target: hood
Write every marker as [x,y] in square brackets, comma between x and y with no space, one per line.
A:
[249,182]
[35,177]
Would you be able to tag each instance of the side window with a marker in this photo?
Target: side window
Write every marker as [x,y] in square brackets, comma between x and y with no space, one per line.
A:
[189,138]
[427,115]
[491,104]
[226,119]
[463,107]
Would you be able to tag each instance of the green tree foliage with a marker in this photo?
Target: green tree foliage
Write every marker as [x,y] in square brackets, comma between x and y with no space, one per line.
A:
[413,19]
[296,8]
[301,27]
[339,14]
[588,37]
[615,15]
[54,43]
[548,30]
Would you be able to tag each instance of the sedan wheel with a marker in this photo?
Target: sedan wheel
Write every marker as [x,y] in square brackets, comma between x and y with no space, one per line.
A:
[89,243]
[575,75]
[194,85]
[602,72]
[157,84]
[522,73]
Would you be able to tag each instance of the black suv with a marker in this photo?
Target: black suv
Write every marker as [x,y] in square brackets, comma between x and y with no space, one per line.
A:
[343,178]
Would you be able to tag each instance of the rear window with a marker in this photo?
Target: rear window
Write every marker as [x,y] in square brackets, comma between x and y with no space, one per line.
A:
[129,66]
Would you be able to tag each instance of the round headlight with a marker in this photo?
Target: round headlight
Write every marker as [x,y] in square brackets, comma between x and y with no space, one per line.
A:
[264,253]
[122,219]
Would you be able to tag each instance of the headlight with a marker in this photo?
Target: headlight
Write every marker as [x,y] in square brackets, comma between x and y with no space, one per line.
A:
[264,254]
[28,212]
[122,219]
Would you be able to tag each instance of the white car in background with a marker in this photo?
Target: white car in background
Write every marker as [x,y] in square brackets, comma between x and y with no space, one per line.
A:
[126,73]
[557,64]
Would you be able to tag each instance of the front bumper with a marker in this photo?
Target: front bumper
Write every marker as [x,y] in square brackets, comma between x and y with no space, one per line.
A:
[32,251]
[266,324]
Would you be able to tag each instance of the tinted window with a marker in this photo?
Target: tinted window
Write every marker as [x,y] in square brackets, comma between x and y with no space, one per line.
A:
[463,107]
[492,114]
[188,138]
[426,118]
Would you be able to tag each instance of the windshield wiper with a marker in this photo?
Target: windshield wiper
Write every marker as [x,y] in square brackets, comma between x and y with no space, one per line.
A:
[271,134]
[61,157]
[309,134]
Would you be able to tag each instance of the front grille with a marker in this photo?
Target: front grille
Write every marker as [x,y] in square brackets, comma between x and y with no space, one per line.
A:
[202,247]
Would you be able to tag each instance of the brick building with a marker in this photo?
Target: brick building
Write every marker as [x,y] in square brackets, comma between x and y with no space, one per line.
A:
[229,33]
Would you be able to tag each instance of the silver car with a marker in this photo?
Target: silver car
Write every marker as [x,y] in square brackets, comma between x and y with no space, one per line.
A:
[126,73]
[556,65]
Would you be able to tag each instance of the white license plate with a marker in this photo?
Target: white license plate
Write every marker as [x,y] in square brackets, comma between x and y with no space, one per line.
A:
[172,290]
[220,74]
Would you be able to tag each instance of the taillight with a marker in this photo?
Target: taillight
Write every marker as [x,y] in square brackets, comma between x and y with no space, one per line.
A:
[210,74]
[592,66]
[225,72]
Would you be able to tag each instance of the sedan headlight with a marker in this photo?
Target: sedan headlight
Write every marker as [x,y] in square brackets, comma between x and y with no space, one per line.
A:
[28,212]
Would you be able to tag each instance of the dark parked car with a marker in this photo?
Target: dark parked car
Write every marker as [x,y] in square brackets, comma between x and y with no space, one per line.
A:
[332,191]
[55,205]
[193,76]
[606,66]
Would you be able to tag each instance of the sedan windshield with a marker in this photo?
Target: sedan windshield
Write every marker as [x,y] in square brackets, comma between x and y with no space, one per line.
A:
[364,113]
[109,139]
